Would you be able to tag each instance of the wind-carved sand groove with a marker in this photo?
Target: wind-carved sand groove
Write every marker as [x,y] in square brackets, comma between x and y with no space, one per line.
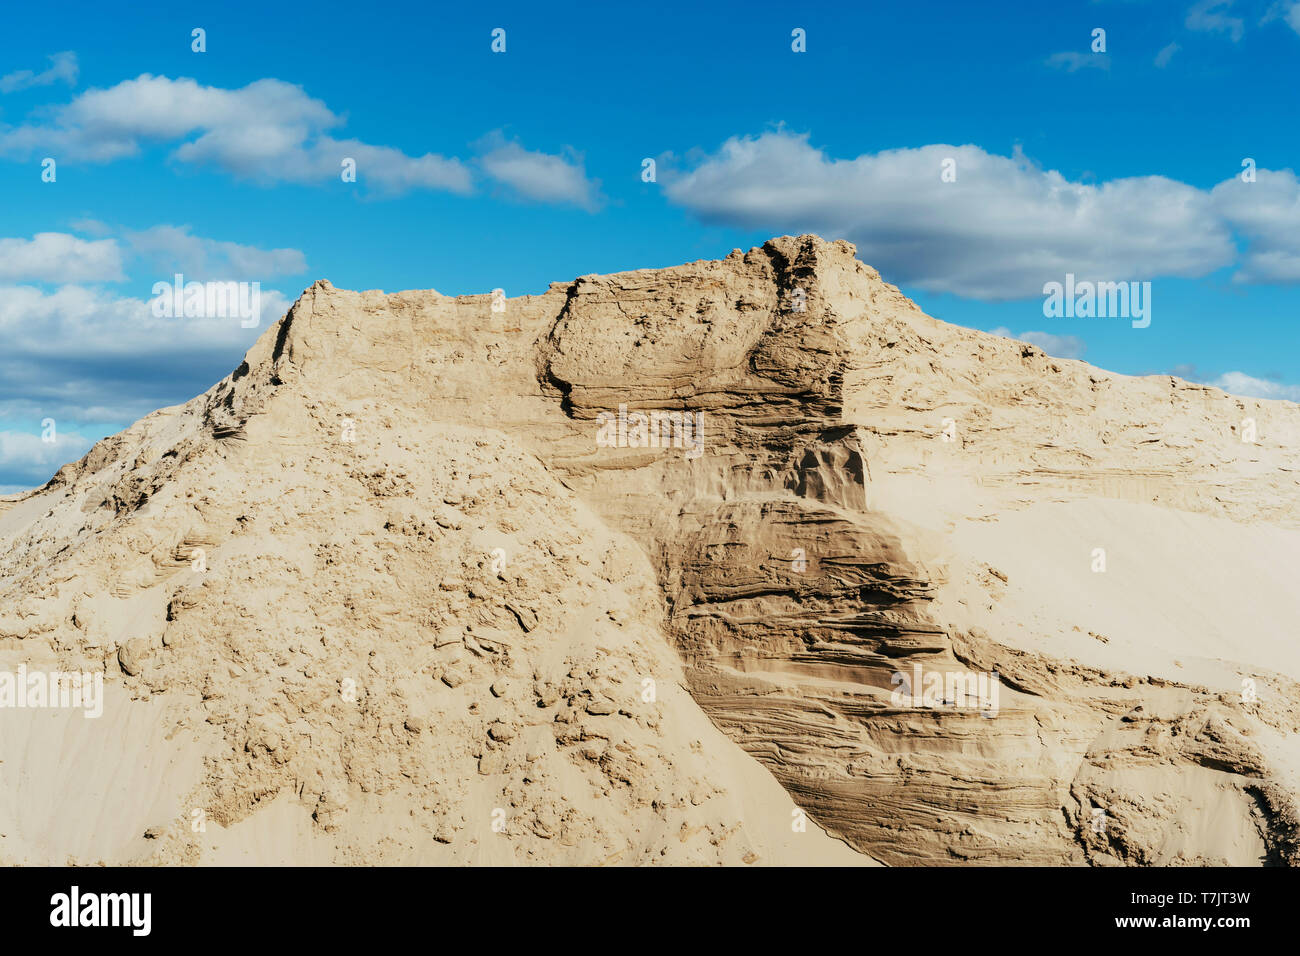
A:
[351,482]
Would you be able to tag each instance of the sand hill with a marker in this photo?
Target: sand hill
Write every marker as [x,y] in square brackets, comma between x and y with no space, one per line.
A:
[643,570]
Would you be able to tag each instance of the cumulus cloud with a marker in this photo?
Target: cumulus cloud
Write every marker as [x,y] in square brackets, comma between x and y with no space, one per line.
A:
[26,461]
[60,257]
[94,359]
[272,132]
[84,354]
[63,258]
[1211,16]
[63,69]
[542,177]
[176,249]
[268,131]
[1061,346]
[1005,226]
[1000,231]
[95,362]
[1267,214]
[83,322]
[1239,383]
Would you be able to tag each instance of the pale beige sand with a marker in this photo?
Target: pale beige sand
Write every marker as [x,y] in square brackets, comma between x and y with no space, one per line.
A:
[427,593]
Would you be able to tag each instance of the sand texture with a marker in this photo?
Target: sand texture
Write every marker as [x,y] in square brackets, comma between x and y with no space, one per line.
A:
[389,594]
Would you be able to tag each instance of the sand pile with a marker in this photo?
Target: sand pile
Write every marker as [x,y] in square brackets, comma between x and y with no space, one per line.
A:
[415,584]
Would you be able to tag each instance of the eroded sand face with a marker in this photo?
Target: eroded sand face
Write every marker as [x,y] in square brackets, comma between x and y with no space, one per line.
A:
[409,586]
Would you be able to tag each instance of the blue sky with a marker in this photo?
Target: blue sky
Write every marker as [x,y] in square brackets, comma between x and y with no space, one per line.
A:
[478,170]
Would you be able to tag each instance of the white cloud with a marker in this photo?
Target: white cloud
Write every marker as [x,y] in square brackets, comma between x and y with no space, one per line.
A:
[63,68]
[1072,62]
[175,249]
[1267,214]
[543,177]
[1000,231]
[268,131]
[1166,54]
[391,171]
[86,355]
[1210,16]
[1239,383]
[91,227]
[26,456]
[1061,346]
[94,362]
[79,322]
[273,132]
[60,257]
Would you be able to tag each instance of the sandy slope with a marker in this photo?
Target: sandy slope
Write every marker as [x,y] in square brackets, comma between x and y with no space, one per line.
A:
[428,600]
[475,696]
